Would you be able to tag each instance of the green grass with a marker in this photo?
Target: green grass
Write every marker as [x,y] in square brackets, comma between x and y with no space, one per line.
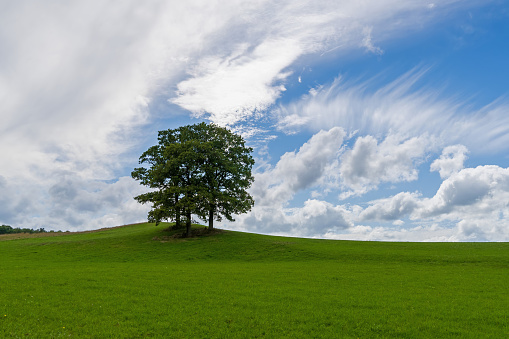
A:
[136,282]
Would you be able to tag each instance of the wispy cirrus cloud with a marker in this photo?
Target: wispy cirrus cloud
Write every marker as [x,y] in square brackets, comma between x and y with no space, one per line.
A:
[403,105]
[233,88]
[247,77]
[368,43]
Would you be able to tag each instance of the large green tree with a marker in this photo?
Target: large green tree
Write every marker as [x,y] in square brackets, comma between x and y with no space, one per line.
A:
[200,169]
[227,174]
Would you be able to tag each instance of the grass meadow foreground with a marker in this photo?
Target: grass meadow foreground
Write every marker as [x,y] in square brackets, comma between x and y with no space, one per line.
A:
[137,281]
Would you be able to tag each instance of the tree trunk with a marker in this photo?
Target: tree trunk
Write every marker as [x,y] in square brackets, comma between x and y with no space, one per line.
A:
[211,219]
[177,212]
[188,210]
[188,224]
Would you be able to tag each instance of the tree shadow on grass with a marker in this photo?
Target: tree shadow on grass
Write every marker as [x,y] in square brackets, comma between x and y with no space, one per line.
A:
[197,231]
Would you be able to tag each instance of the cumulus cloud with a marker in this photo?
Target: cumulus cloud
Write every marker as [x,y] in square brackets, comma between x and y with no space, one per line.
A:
[313,219]
[317,216]
[474,200]
[391,209]
[451,161]
[295,171]
[369,163]
[428,233]
[470,204]
[483,229]
[298,170]
[472,191]
[318,164]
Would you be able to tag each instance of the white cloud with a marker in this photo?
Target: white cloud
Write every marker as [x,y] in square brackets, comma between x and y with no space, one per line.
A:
[483,229]
[317,164]
[391,209]
[246,75]
[232,88]
[368,163]
[471,192]
[469,205]
[431,233]
[296,171]
[76,78]
[368,44]
[313,219]
[398,106]
[71,202]
[473,201]
[14,202]
[451,161]
[76,81]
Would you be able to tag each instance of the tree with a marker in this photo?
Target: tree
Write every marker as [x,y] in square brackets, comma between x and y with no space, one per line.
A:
[227,174]
[200,169]
[6,229]
[172,174]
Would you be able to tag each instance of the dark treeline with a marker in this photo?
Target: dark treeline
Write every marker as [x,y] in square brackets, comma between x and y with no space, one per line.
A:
[6,229]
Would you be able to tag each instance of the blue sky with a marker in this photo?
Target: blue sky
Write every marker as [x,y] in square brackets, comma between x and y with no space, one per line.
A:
[370,120]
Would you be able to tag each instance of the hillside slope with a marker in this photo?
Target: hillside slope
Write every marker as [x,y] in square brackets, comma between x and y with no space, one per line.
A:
[140,281]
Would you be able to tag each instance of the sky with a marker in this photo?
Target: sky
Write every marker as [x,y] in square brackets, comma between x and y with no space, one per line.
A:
[382,120]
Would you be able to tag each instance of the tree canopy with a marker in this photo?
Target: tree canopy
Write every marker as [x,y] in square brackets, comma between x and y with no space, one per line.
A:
[6,229]
[201,169]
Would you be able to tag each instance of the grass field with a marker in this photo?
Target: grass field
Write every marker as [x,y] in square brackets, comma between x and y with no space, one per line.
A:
[137,281]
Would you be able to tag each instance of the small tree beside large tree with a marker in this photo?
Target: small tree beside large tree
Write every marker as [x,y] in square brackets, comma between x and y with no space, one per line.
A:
[200,169]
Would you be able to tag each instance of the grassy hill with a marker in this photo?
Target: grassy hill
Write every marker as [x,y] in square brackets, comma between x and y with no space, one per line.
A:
[139,281]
